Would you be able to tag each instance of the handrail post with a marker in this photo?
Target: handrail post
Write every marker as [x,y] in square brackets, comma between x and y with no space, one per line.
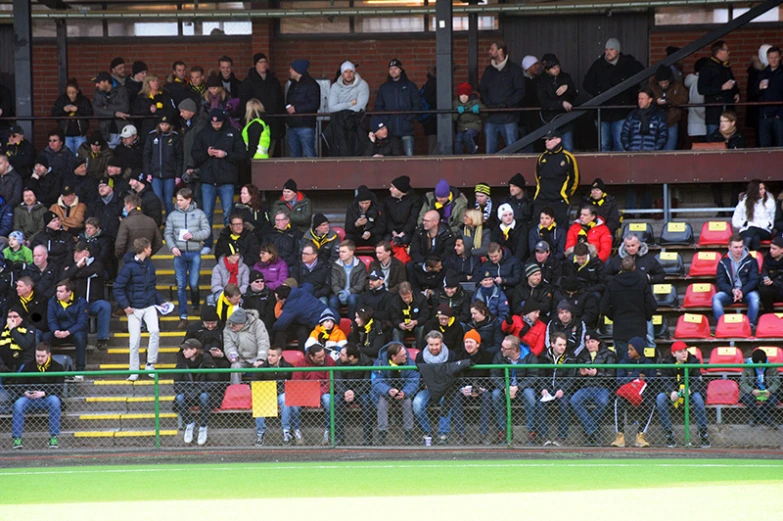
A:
[157,409]
[509,427]
[687,404]
[331,406]
[599,128]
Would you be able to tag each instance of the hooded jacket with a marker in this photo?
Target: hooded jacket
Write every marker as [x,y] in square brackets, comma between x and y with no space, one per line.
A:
[592,275]
[603,75]
[747,277]
[490,331]
[251,343]
[459,303]
[341,95]
[269,92]
[598,236]
[501,89]
[394,96]
[192,219]
[305,96]
[629,302]
[749,380]
[263,302]
[301,308]
[135,285]
[645,263]
[451,213]
[463,266]
[383,381]
[468,120]
[300,210]
[59,244]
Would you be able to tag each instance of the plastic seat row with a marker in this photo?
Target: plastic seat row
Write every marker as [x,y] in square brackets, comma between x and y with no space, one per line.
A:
[730,325]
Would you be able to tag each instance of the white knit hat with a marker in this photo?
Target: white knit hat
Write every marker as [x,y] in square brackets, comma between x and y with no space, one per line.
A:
[347,66]
[763,54]
[528,61]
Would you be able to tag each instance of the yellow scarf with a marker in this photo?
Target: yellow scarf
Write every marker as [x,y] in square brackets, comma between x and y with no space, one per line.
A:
[442,328]
[234,237]
[66,303]
[224,307]
[45,367]
[25,301]
[406,313]
[439,206]
[368,326]
[599,202]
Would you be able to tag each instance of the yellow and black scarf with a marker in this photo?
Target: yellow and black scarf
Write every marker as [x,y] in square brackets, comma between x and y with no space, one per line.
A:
[224,308]
[45,367]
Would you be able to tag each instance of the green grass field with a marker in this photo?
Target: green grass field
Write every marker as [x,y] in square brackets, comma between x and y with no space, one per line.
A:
[91,484]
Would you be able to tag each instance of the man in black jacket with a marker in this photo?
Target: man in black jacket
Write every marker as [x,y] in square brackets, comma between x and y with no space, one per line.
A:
[210,335]
[585,303]
[393,269]
[274,359]
[455,297]
[770,89]
[380,143]
[399,93]
[314,271]
[303,97]
[17,340]
[19,151]
[236,233]
[588,269]
[556,388]
[45,183]
[86,273]
[520,200]
[107,207]
[557,93]
[557,178]
[594,386]
[502,86]
[446,323]
[353,388]
[474,388]
[262,84]
[285,237]
[771,284]
[717,85]
[33,304]
[401,211]
[433,237]
[408,312]
[151,204]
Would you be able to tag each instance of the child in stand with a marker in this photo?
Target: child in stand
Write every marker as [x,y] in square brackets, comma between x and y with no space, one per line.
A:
[468,106]
[328,335]
[16,251]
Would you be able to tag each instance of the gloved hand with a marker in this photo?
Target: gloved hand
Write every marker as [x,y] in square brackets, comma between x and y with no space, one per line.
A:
[343,296]
[460,109]
[474,109]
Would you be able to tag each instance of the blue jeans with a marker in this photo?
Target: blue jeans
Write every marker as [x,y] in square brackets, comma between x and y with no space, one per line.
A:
[296,413]
[721,299]
[711,129]
[466,139]
[458,411]
[599,397]
[186,271]
[285,417]
[564,416]
[102,310]
[164,189]
[407,145]
[301,141]
[420,412]
[352,302]
[499,404]
[671,142]
[568,140]
[770,132]
[182,407]
[73,143]
[761,411]
[509,132]
[664,405]
[114,140]
[49,403]
[610,136]
[210,193]
[77,339]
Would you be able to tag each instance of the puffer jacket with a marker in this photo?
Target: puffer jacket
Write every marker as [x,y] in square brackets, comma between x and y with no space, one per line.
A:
[59,244]
[251,343]
[219,171]
[60,162]
[275,272]
[509,269]
[607,210]
[135,284]
[530,335]
[221,276]
[554,236]
[645,263]
[300,308]
[628,301]
[305,96]
[452,213]
[574,331]
[496,301]
[400,215]
[72,318]
[193,220]
[468,120]
[763,215]
[341,95]
[163,155]
[501,89]
[632,138]
[300,211]
[400,95]
[73,127]
[106,105]
[599,237]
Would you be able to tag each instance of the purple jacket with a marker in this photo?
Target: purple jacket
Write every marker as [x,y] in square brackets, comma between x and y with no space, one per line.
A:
[274,272]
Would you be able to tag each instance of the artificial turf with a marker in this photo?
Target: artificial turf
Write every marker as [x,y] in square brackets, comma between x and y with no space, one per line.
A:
[380,478]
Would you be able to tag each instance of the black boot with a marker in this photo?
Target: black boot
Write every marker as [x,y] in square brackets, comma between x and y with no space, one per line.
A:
[382,438]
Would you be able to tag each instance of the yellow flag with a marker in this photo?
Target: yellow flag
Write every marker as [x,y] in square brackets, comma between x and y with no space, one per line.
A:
[264,399]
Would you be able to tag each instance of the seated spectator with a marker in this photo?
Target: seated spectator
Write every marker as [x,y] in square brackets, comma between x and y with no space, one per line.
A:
[42,393]
[16,251]
[230,269]
[285,237]
[19,151]
[484,204]
[645,127]
[671,385]
[522,384]
[315,358]
[475,230]
[534,289]
[460,262]
[226,302]
[448,202]
[487,324]
[393,269]
[237,234]
[591,230]
[348,278]
[328,334]
[593,387]
[101,246]
[427,277]
[444,322]
[67,320]
[519,200]
[567,323]
[376,297]
[434,352]
[400,211]
[72,105]
[454,296]
[86,187]
[43,273]
[506,269]
[353,388]
[59,243]
[760,389]
[547,231]
[606,205]
[557,389]
[771,284]
[245,341]
[86,274]
[45,183]
[260,298]
[551,269]
[17,340]
[195,389]
[274,359]
[492,295]
[637,414]
[473,389]
[509,234]
[313,271]
[323,238]
[136,225]
[28,215]
[728,132]
[646,263]
[129,153]
[395,386]
[363,223]
[163,157]
[296,204]
[298,312]
[150,203]
[432,237]
[368,333]
[467,119]
[754,215]
[274,268]
[70,211]
[589,269]
[585,303]
[409,312]
[32,304]
[210,335]
[254,211]
[527,326]
[96,154]
[737,279]
[60,159]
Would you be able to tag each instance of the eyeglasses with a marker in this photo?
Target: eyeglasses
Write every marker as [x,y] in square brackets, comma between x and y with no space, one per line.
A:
[237,224]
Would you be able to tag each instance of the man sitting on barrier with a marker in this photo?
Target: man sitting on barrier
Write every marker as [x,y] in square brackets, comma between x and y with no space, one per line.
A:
[316,357]
[353,388]
[395,386]
[195,389]
[474,389]
[593,386]
[434,353]
[274,358]
[672,385]
[521,384]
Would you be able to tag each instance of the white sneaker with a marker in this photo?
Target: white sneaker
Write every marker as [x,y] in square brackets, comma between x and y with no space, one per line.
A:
[77,378]
[132,378]
[325,440]
[298,439]
[202,436]
[150,367]
[206,250]
[189,432]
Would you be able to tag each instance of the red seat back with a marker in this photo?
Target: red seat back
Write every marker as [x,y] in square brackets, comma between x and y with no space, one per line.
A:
[704,264]
[722,392]
[238,397]
[759,258]
[366,260]
[692,325]
[293,356]
[725,355]
[733,325]
[774,355]
[345,325]
[698,295]
[413,353]
[715,233]
[770,326]
[695,351]
[340,231]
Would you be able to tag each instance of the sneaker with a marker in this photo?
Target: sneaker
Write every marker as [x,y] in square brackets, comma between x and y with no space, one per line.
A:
[670,440]
[325,439]
[183,324]
[548,443]
[202,436]
[640,442]
[132,378]
[77,378]
[443,439]
[557,443]
[298,439]
[150,367]
[17,443]
[189,428]
[260,439]
[119,313]
[704,437]
[532,439]
[619,441]
[287,437]
[206,250]
[53,443]
[102,344]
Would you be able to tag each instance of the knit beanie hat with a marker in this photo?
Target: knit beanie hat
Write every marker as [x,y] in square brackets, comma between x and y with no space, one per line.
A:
[318,220]
[402,183]
[290,185]
[258,57]
[464,89]
[565,306]
[347,66]
[613,43]
[442,189]
[474,335]
[300,66]
[138,67]
[532,269]
[517,180]
[326,314]
[19,236]
[503,208]
[482,188]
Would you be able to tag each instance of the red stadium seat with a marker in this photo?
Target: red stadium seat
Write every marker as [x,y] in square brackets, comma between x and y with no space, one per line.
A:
[345,325]
[367,260]
[698,296]
[725,355]
[774,355]
[238,397]
[691,325]
[733,325]
[770,326]
[695,351]
[715,233]
[722,392]
[413,352]
[704,264]
[759,258]
[340,231]
[293,357]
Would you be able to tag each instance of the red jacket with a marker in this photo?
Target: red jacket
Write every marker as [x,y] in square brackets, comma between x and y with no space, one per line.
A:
[599,236]
[323,376]
[534,338]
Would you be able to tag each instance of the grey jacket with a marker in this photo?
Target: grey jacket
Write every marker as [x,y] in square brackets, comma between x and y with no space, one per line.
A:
[358,277]
[189,137]
[106,104]
[194,220]
[220,276]
[251,343]
[341,95]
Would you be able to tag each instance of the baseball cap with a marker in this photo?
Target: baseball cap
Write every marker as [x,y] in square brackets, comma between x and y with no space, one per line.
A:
[128,131]
[542,246]
[101,76]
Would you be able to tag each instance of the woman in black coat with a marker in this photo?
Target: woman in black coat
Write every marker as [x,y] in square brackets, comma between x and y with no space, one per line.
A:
[72,104]
[151,99]
[367,333]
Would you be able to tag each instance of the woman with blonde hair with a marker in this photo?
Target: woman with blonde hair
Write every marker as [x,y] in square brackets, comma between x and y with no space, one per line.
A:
[151,101]
[256,134]
[473,221]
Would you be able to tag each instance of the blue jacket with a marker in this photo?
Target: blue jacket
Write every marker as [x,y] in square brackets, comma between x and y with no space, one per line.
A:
[629,375]
[6,218]
[72,318]
[300,307]
[398,96]
[633,140]
[496,302]
[383,381]
[748,274]
[135,284]
[305,96]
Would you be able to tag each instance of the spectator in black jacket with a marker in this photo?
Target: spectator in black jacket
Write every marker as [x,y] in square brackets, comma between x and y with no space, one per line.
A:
[362,219]
[548,233]
[262,84]
[409,311]
[392,268]
[433,237]
[522,384]
[163,157]
[474,388]
[588,269]
[717,85]
[313,271]
[376,297]
[380,143]
[260,298]
[519,199]
[454,296]
[128,153]
[19,151]
[646,263]
[593,387]
[86,273]
[399,94]
[511,234]
[304,97]
[444,321]
[427,277]
[210,335]
[502,86]
[605,204]
[107,208]
[771,283]
[551,268]
[460,261]
[34,304]
[274,359]
[353,388]
[401,211]
[770,88]
[728,133]
[56,241]
[556,388]
[17,340]
[151,205]
[585,303]
[557,93]
[532,288]
[101,245]
[46,184]
[368,333]
[195,389]
[236,233]
[10,183]
[285,237]
[73,105]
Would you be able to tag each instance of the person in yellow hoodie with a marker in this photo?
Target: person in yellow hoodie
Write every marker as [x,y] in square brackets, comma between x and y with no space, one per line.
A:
[328,335]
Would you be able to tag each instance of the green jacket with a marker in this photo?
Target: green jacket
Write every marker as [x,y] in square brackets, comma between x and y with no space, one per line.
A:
[771,380]
[468,120]
[300,212]
[460,204]
[29,220]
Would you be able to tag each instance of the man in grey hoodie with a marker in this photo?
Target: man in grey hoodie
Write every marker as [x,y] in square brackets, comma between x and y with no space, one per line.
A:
[737,278]
[350,91]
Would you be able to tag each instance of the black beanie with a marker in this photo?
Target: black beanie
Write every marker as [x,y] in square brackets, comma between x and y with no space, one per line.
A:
[115,62]
[663,73]
[402,183]
[258,56]
[318,220]
[517,180]
[599,183]
[48,217]
[364,194]
[209,314]
[138,67]
[290,185]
